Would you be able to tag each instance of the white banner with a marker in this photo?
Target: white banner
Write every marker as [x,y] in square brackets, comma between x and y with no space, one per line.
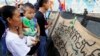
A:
[76,41]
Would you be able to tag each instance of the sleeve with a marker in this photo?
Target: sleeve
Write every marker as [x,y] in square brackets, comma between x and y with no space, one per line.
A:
[22,20]
[25,22]
[19,48]
[40,20]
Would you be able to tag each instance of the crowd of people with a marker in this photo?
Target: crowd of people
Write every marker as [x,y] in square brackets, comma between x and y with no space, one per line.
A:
[23,28]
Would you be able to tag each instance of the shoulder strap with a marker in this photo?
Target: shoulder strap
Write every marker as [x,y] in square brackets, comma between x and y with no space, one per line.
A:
[4,47]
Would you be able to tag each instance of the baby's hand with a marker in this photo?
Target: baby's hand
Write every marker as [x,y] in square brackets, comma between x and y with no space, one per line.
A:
[34,42]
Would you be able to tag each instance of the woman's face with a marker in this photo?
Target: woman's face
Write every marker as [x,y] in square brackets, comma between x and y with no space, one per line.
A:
[15,20]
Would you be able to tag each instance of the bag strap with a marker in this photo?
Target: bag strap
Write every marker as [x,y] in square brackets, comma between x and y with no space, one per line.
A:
[4,47]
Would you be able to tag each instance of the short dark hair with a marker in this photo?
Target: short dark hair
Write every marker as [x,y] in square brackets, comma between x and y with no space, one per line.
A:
[36,6]
[19,5]
[27,5]
[41,2]
[7,11]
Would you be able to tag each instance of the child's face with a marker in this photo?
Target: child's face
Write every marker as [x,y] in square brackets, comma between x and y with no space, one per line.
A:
[29,12]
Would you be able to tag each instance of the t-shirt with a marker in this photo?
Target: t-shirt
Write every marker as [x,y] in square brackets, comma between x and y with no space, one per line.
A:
[42,22]
[16,45]
[30,26]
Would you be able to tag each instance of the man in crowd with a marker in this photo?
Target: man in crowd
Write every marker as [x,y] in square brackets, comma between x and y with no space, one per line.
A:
[43,7]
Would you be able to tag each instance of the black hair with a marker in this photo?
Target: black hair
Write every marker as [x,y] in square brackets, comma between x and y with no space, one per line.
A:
[36,6]
[7,11]
[41,2]
[19,5]
[27,5]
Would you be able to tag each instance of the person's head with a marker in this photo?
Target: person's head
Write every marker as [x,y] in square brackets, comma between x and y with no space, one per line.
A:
[20,5]
[85,9]
[11,15]
[29,10]
[36,6]
[44,3]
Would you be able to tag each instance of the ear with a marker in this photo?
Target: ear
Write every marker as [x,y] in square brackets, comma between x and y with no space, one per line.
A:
[9,20]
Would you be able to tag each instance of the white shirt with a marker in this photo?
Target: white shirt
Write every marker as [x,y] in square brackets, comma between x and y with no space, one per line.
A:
[16,45]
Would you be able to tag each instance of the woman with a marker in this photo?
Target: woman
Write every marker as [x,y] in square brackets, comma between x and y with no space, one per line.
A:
[14,40]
